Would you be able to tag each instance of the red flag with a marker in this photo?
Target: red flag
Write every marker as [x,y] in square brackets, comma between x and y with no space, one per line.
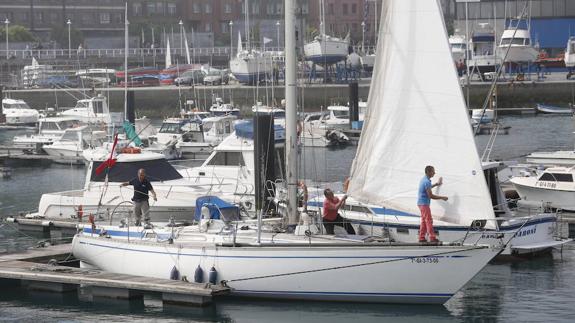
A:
[110,162]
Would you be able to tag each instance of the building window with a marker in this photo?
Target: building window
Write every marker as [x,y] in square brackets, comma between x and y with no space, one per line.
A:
[39,17]
[104,18]
[208,8]
[88,18]
[353,8]
[196,7]
[137,8]
[224,27]
[160,8]
[208,27]
[151,8]
[172,9]
[330,9]
[227,8]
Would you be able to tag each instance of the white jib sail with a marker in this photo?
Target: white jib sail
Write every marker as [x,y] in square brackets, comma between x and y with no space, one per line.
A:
[416,117]
[168,54]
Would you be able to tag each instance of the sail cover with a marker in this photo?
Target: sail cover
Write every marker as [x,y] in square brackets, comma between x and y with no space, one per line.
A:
[416,117]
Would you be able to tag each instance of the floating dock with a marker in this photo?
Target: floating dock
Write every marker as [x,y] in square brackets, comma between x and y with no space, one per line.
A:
[38,269]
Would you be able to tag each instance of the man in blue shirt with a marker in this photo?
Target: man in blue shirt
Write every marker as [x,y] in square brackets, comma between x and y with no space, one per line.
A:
[142,188]
[424,197]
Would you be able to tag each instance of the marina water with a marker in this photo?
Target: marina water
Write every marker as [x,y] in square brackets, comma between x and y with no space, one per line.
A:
[539,289]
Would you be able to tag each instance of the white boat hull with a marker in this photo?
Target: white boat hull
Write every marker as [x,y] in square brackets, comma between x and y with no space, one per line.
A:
[518,53]
[21,119]
[529,192]
[251,70]
[64,154]
[331,272]
[326,51]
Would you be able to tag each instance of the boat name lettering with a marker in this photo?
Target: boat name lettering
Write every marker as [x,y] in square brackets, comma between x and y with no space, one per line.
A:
[425,260]
[490,236]
[547,184]
[523,233]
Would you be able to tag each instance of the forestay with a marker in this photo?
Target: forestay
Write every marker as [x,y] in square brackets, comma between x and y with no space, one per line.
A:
[417,117]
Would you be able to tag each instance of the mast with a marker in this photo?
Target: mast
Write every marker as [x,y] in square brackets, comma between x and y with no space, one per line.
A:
[321,16]
[126,62]
[291,117]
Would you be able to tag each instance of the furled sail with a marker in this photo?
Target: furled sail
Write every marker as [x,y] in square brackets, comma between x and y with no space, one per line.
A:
[417,117]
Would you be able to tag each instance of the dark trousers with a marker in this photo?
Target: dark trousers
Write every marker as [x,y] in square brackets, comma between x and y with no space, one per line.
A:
[339,221]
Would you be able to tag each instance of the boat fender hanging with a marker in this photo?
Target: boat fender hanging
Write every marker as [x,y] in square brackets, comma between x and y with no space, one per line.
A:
[199,275]
[175,274]
[213,275]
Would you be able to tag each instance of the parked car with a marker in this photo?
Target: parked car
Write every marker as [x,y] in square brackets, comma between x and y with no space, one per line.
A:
[142,81]
[190,77]
[57,81]
[217,77]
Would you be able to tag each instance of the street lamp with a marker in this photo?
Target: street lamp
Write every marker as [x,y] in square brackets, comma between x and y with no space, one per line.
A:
[278,26]
[231,38]
[181,23]
[69,23]
[7,22]
[362,36]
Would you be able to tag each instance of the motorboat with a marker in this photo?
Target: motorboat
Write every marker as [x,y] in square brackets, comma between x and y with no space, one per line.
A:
[324,49]
[219,108]
[552,187]
[551,109]
[458,46]
[570,53]
[103,197]
[186,135]
[267,262]
[316,132]
[69,147]
[96,77]
[218,128]
[50,129]
[482,116]
[19,113]
[93,110]
[516,43]
[483,54]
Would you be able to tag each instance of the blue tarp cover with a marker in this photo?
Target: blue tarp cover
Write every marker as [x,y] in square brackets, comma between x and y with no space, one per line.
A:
[216,205]
[245,129]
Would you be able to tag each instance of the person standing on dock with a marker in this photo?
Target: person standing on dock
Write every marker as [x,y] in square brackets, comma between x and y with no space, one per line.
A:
[424,197]
[142,188]
[330,216]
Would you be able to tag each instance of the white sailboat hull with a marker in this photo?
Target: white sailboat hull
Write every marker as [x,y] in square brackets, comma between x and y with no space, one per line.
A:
[332,272]
[251,70]
[325,51]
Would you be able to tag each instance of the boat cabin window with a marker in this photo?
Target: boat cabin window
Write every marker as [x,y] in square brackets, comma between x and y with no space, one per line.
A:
[516,41]
[193,136]
[556,177]
[458,46]
[313,117]
[227,127]
[572,48]
[98,107]
[49,126]
[357,208]
[156,170]
[228,158]
[341,114]
[170,128]
[17,105]
[70,136]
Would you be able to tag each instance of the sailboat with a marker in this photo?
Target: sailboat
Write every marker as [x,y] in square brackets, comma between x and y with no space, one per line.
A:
[570,53]
[325,49]
[255,262]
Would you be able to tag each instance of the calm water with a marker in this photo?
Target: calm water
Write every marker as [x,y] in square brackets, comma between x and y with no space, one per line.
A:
[528,291]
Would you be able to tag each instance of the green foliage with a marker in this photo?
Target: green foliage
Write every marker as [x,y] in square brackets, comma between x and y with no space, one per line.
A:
[60,35]
[16,33]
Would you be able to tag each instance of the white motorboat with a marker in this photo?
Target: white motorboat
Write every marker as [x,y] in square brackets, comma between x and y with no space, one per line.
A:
[218,128]
[551,158]
[322,129]
[103,197]
[19,113]
[50,129]
[552,187]
[69,147]
[481,116]
[186,135]
[96,77]
[268,264]
[219,108]
[551,109]
[516,42]
[93,110]
[324,49]
[570,53]
[458,46]
[483,54]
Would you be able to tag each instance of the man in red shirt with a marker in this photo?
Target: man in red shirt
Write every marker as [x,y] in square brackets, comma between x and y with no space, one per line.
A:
[331,217]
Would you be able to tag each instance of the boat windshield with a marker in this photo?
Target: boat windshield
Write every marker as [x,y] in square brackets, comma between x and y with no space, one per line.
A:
[171,128]
[341,114]
[458,46]
[156,171]
[516,41]
[16,105]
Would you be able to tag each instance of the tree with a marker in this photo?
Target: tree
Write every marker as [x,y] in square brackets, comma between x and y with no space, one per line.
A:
[60,35]
[17,33]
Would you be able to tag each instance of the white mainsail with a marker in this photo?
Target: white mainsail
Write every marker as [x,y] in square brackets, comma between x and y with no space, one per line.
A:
[240,48]
[168,54]
[417,117]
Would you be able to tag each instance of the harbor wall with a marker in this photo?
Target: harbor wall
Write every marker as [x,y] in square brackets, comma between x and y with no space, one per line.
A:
[165,101]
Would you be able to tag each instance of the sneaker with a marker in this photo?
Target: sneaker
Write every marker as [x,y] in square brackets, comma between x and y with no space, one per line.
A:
[435,242]
[423,241]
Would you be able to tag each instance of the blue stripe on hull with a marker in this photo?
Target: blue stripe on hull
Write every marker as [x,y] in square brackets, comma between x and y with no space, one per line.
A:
[325,59]
[250,78]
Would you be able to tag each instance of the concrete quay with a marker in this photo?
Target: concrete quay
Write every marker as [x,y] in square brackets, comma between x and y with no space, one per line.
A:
[513,97]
